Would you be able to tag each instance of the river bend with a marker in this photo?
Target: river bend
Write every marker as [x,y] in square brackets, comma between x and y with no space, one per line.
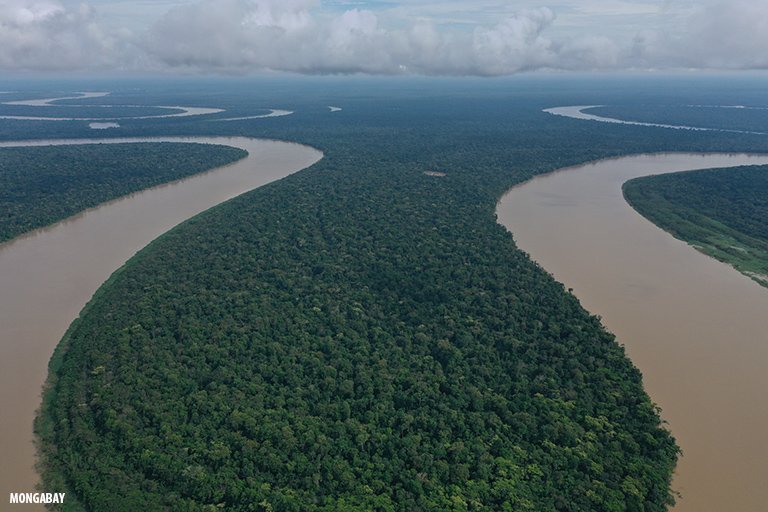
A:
[47,276]
[694,326]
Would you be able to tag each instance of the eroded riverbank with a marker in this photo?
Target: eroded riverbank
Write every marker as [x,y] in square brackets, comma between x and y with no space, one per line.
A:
[694,326]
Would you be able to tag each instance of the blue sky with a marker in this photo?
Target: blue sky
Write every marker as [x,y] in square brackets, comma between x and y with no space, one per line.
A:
[432,37]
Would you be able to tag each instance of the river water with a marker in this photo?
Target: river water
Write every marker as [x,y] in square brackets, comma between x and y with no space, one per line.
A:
[696,328]
[47,276]
[51,102]
[577,112]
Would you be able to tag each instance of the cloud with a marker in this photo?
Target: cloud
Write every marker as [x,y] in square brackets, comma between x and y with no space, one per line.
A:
[44,35]
[715,35]
[514,44]
[730,34]
[589,52]
[256,35]
[314,37]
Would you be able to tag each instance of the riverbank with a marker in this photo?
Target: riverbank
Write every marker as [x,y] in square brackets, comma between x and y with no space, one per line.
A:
[692,325]
[44,185]
[58,269]
[720,212]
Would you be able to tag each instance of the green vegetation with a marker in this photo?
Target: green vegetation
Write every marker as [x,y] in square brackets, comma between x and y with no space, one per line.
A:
[42,185]
[722,212]
[360,336]
[328,357]
[741,119]
[85,111]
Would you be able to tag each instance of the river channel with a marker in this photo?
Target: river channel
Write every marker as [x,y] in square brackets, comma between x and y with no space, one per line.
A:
[47,276]
[695,327]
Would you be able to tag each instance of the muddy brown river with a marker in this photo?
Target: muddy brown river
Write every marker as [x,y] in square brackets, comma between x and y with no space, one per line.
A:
[696,328]
[46,277]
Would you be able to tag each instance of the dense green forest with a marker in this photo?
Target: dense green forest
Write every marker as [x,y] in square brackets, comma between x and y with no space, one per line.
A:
[722,212]
[43,185]
[752,119]
[86,112]
[362,335]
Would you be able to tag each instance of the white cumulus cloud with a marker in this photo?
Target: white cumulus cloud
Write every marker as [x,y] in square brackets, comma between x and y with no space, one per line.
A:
[253,35]
[715,35]
[45,35]
[314,36]
[514,44]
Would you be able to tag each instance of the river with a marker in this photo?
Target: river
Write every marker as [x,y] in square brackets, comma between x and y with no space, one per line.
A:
[695,327]
[47,276]
[577,112]
[51,102]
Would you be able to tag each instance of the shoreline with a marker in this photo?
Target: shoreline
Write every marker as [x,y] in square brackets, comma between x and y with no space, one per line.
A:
[58,269]
[690,323]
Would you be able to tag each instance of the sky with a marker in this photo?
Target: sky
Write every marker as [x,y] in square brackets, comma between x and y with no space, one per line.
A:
[432,37]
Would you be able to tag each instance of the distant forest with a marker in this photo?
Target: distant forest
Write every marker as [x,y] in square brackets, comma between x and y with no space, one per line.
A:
[362,335]
[43,185]
[702,116]
[722,212]
[85,111]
